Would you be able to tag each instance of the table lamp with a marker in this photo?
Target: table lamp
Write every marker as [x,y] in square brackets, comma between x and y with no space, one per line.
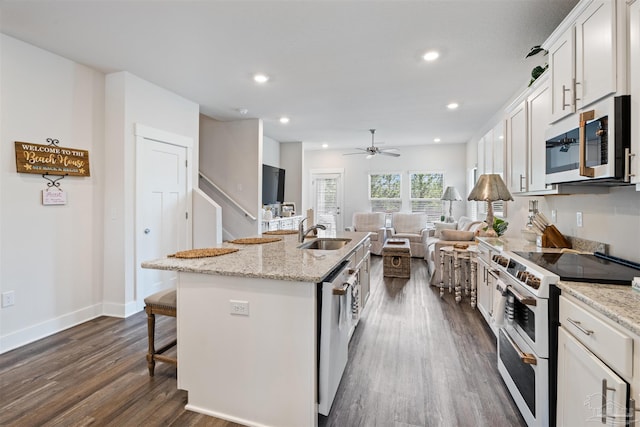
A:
[489,188]
[450,194]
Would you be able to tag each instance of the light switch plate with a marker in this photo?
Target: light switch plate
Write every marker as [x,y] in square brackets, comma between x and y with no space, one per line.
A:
[579,219]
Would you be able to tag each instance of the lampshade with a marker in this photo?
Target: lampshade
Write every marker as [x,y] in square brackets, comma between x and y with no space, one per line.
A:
[489,188]
[450,193]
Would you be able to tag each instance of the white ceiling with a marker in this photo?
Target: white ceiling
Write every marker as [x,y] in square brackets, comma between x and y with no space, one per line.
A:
[337,68]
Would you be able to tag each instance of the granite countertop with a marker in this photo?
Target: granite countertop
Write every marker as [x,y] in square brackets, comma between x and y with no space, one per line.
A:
[619,303]
[514,244]
[280,260]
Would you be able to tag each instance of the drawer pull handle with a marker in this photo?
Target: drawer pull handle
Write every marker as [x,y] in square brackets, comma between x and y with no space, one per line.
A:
[578,325]
[604,400]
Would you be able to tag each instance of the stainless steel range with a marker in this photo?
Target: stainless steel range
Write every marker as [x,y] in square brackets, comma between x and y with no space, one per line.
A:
[524,339]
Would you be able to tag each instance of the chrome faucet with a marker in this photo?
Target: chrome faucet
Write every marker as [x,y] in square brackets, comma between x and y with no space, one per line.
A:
[302,233]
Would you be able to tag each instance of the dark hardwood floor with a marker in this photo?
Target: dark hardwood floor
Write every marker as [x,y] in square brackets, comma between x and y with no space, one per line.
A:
[415,360]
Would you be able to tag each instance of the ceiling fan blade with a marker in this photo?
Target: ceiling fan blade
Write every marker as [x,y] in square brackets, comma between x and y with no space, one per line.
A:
[384,153]
[350,154]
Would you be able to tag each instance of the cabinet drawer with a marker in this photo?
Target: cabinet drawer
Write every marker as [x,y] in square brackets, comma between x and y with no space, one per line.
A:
[612,346]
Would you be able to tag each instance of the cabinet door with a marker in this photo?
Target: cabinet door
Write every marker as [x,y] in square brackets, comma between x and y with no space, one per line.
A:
[588,391]
[561,60]
[539,109]
[365,278]
[481,157]
[595,53]
[484,291]
[634,81]
[517,143]
[498,148]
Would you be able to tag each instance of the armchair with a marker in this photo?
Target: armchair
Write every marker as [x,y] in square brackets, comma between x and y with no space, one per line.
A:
[412,226]
[373,222]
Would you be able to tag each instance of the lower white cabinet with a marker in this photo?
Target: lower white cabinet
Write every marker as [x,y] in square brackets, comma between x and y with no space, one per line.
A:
[589,393]
[595,367]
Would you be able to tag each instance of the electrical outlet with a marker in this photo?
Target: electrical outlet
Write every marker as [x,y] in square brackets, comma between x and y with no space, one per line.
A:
[8,298]
[241,308]
[554,215]
[579,219]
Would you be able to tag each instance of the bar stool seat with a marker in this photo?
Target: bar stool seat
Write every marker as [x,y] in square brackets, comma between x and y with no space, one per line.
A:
[163,303]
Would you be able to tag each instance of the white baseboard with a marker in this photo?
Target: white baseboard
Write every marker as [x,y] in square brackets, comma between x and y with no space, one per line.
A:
[33,333]
[119,310]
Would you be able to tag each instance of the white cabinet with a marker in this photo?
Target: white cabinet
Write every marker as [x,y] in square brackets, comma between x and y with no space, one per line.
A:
[634,86]
[539,113]
[561,61]
[517,148]
[583,61]
[588,391]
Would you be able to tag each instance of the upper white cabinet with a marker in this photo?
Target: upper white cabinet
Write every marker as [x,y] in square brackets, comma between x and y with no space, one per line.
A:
[538,113]
[561,60]
[583,60]
[498,148]
[517,148]
[634,84]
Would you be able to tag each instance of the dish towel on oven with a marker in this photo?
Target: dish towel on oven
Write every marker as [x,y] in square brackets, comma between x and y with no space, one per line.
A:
[499,303]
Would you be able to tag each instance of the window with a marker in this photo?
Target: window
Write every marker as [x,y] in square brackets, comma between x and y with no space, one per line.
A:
[426,191]
[384,192]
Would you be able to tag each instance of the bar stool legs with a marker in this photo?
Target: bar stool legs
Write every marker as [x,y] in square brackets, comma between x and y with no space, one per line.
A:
[163,303]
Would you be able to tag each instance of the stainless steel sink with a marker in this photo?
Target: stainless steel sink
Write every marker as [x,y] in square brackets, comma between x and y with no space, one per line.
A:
[325,243]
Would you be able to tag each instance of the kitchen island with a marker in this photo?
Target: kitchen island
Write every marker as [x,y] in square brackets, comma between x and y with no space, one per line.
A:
[247,329]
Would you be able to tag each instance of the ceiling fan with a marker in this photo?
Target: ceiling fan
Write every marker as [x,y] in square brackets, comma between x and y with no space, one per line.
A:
[373,150]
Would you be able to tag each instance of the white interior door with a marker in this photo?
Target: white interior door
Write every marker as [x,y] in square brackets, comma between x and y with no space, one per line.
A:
[327,188]
[162,213]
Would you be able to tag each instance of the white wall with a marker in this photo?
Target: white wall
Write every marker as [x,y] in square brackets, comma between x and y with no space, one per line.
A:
[447,158]
[231,156]
[270,151]
[292,161]
[130,101]
[51,256]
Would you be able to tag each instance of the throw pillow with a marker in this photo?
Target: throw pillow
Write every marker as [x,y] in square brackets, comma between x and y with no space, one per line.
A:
[457,235]
[440,226]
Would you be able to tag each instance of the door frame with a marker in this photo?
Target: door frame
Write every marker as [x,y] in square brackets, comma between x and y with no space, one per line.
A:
[142,133]
[339,171]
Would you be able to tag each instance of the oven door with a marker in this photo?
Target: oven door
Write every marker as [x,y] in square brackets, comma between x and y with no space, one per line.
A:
[529,317]
[526,376]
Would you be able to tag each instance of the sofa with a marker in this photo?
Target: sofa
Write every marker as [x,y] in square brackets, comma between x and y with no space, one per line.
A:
[447,234]
[412,226]
[373,222]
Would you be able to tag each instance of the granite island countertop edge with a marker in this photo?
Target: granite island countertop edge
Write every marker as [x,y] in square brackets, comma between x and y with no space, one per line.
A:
[281,260]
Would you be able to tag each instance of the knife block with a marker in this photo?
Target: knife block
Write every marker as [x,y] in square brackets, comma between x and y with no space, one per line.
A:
[552,238]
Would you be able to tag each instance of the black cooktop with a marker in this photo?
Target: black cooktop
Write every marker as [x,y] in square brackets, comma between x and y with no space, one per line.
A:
[597,268]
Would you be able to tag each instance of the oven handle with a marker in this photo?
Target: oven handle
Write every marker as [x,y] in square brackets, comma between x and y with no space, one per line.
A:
[578,325]
[527,358]
[523,300]
[584,169]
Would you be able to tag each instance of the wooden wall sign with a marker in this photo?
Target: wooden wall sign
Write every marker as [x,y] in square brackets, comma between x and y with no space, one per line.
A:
[51,160]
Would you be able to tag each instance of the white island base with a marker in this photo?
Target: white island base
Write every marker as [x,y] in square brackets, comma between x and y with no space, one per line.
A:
[256,370]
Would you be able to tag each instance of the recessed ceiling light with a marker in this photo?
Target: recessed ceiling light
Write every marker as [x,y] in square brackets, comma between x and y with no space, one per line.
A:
[436,139]
[284,120]
[453,106]
[261,78]
[325,145]
[432,55]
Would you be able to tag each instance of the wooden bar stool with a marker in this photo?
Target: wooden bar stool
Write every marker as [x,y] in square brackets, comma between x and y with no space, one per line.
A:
[163,303]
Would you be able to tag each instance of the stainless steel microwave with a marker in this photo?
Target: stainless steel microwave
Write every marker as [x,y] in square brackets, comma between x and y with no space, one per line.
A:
[592,147]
